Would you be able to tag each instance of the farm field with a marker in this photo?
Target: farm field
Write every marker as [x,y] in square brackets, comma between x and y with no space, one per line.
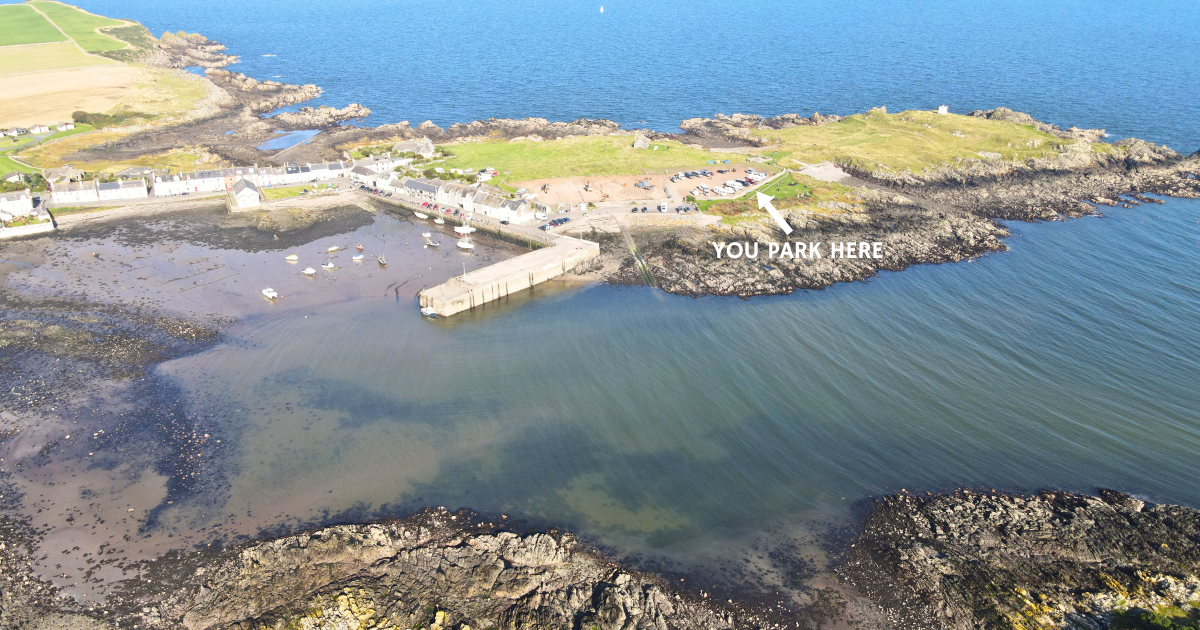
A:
[51,97]
[585,155]
[20,24]
[80,25]
[42,57]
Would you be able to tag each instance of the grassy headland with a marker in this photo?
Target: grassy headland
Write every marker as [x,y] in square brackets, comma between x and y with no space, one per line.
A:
[910,140]
[583,155]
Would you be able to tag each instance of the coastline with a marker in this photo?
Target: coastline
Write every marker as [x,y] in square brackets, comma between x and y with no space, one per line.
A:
[949,217]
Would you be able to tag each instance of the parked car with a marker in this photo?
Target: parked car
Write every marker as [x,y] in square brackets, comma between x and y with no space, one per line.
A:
[503,222]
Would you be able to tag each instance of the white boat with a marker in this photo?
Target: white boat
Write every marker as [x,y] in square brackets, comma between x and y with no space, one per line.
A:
[420,215]
[426,234]
[293,258]
[466,244]
[464,229]
[270,293]
[356,257]
[381,259]
[309,272]
[429,311]
[329,265]
[439,221]
[332,249]
[432,244]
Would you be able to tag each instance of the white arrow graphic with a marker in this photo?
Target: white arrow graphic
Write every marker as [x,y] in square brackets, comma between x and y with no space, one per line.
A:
[764,202]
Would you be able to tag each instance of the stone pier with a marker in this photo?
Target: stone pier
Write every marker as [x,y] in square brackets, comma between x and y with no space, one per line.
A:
[509,276]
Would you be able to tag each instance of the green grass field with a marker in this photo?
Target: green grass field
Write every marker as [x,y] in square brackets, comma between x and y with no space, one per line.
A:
[17,59]
[81,26]
[584,155]
[20,24]
[7,165]
[789,191]
[914,140]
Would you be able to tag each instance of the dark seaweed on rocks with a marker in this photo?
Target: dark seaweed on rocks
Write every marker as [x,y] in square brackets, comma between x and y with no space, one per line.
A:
[1052,560]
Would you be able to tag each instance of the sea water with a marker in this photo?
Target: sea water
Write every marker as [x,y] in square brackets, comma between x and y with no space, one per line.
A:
[649,421]
[1128,68]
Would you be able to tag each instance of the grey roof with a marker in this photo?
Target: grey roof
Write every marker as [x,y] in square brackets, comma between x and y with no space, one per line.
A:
[244,184]
[422,185]
[15,196]
[110,186]
[6,177]
[133,183]
[361,170]
[76,186]
[512,204]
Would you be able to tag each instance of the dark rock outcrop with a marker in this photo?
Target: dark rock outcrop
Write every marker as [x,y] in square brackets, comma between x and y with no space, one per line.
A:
[1054,560]
[261,96]
[183,50]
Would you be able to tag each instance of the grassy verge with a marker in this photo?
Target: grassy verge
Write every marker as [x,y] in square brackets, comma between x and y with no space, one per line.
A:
[581,156]
[58,212]
[20,24]
[910,140]
[23,221]
[81,26]
[283,193]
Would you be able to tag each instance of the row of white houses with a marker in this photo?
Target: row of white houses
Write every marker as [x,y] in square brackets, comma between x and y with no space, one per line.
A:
[36,129]
[472,198]
[92,191]
[218,180]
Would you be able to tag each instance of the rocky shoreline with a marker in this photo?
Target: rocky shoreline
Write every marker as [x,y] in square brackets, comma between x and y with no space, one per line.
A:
[1050,560]
[963,560]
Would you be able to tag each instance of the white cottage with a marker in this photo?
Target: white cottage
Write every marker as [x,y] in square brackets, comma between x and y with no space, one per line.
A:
[423,147]
[244,195]
[15,204]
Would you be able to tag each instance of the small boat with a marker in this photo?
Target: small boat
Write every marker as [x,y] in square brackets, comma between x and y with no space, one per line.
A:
[309,272]
[332,249]
[439,221]
[466,244]
[429,311]
[270,293]
[293,258]
[356,257]
[426,234]
[432,244]
[329,265]
[358,247]
[464,229]
[380,259]
[420,215]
